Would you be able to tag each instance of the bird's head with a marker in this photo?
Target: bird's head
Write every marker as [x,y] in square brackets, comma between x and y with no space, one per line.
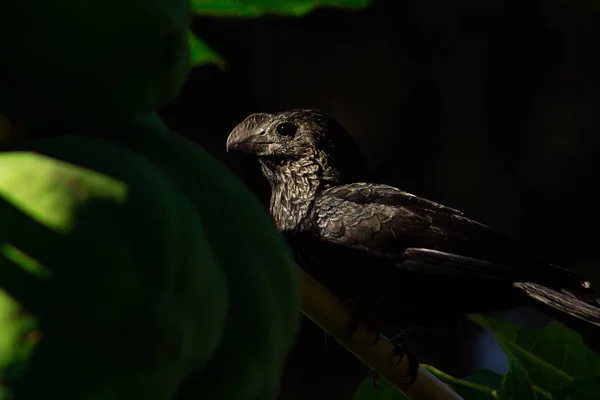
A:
[300,138]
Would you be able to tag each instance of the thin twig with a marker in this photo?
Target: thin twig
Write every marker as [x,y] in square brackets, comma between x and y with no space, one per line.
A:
[333,316]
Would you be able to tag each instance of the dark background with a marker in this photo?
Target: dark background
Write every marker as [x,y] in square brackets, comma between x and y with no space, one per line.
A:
[489,107]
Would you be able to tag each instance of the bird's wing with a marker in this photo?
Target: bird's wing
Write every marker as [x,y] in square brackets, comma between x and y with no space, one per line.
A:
[365,193]
[422,235]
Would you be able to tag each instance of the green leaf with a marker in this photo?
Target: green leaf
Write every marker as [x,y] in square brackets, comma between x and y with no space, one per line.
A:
[485,377]
[544,361]
[517,384]
[579,389]
[16,333]
[482,385]
[202,54]
[259,8]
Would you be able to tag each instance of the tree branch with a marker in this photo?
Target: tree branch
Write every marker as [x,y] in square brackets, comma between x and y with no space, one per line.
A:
[333,316]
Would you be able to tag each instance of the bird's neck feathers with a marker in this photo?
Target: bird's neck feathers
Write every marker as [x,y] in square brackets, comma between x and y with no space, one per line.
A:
[294,186]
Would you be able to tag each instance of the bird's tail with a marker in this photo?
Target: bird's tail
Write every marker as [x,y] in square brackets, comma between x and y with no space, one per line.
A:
[582,306]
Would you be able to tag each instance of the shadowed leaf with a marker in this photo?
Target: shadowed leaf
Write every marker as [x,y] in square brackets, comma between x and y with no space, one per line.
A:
[553,359]
[482,385]
[487,378]
[580,389]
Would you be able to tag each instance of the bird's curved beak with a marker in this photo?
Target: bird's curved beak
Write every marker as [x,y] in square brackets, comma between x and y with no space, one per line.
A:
[238,141]
[246,138]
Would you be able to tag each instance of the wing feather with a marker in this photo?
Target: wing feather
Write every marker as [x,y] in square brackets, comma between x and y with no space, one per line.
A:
[426,236]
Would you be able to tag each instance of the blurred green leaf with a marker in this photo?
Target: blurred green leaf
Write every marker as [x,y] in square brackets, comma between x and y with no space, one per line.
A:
[202,54]
[259,8]
[5,393]
[553,359]
[15,329]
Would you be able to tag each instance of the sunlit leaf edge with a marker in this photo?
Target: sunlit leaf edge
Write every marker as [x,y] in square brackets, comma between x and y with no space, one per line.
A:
[202,54]
[261,8]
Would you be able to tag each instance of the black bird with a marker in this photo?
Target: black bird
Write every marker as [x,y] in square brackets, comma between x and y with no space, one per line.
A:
[401,260]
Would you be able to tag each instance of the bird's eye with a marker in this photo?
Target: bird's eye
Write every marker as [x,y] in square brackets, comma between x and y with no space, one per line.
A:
[286,129]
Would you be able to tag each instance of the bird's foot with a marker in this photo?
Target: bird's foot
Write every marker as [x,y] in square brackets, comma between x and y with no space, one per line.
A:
[401,351]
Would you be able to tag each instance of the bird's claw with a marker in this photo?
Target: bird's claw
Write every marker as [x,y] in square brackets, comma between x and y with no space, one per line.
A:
[401,350]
